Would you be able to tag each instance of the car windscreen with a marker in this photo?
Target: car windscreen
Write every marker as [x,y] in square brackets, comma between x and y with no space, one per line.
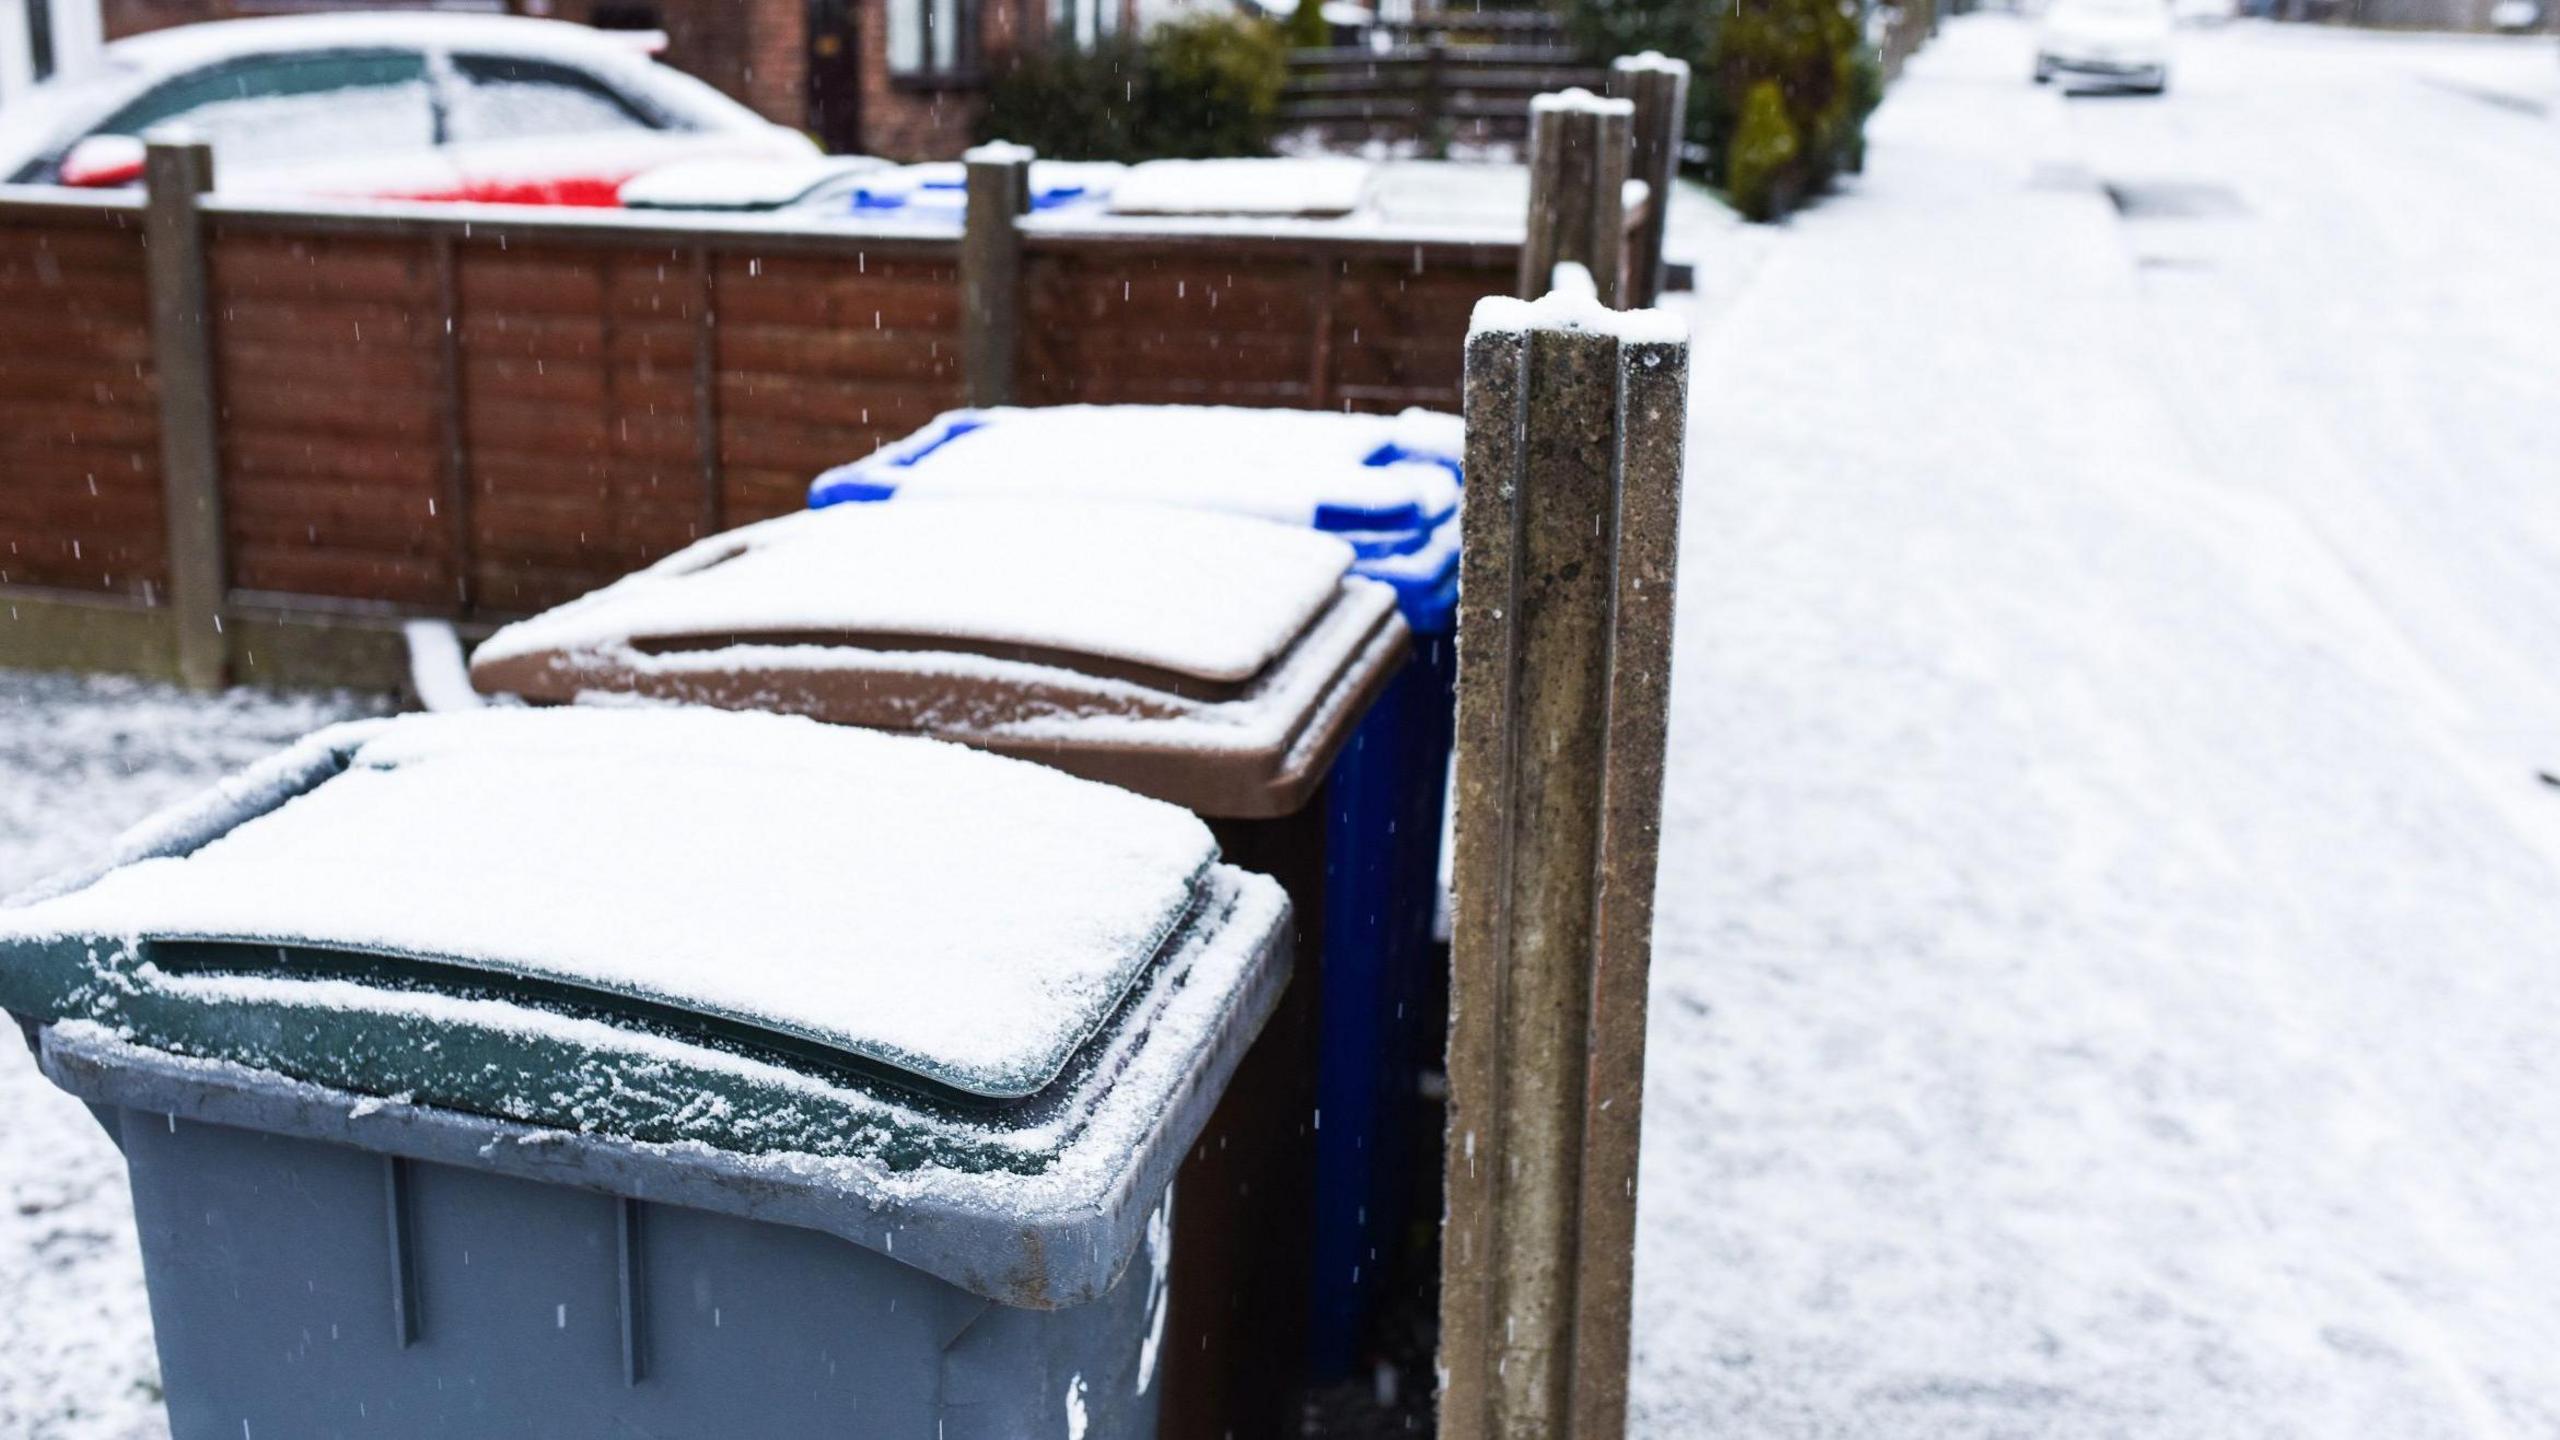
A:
[505,97]
[279,109]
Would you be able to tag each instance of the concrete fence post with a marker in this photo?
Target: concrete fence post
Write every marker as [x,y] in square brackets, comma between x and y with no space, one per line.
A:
[1659,90]
[1575,427]
[1578,155]
[999,193]
[175,173]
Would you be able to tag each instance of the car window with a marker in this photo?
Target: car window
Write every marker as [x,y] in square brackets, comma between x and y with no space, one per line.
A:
[504,98]
[278,109]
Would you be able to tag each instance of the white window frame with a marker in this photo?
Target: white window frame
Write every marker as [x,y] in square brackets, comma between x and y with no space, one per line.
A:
[932,39]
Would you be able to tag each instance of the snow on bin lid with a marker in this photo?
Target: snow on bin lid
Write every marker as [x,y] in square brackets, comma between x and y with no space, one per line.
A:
[1321,468]
[1213,597]
[967,919]
[736,182]
[1313,185]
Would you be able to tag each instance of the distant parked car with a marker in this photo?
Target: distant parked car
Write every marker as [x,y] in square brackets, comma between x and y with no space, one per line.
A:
[2515,16]
[392,106]
[2124,41]
[2205,12]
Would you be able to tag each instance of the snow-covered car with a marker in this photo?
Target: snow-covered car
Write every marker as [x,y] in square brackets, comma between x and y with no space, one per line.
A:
[2125,42]
[2515,17]
[404,106]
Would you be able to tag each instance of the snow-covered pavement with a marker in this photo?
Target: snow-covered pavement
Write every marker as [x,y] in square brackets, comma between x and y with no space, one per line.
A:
[2110,938]
[79,761]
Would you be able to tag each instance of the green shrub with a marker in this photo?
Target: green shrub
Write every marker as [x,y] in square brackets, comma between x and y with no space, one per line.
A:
[1792,46]
[1864,89]
[1201,86]
[1631,27]
[1307,29]
[1213,86]
[1810,50]
[1763,166]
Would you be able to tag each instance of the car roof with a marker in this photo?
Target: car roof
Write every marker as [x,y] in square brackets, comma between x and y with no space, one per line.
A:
[186,46]
[84,94]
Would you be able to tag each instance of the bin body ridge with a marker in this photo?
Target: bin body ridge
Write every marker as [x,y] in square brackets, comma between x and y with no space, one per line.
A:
[410,1299]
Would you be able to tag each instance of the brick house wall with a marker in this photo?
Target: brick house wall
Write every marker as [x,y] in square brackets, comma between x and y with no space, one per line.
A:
[754,51]
[910,118]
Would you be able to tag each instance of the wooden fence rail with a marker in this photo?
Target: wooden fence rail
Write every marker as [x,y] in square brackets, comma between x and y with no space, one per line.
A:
[1479,26]
[1434,92]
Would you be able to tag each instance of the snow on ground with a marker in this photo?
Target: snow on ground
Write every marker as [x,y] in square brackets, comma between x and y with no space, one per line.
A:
[2108,913]
[2106,966]
[79,761]
[2519,72]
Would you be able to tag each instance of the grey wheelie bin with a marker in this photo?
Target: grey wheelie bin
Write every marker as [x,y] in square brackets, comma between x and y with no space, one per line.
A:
[600,1072]
[1221,663]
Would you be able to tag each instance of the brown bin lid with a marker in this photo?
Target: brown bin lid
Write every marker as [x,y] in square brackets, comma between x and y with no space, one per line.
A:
[1209,660]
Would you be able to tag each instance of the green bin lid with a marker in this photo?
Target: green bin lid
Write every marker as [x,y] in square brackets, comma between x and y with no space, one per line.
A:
[892,907]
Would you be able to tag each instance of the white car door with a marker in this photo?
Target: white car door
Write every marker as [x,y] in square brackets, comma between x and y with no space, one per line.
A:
[539,132]
[321,122]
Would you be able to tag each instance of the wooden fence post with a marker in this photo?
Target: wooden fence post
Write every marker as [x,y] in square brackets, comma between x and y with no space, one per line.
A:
[1437,127]
[175,173]
[1659,89]
[1578,152]
[999,178]
[1575,428]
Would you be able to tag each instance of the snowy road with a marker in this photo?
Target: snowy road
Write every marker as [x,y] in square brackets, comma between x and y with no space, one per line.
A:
[2110,949]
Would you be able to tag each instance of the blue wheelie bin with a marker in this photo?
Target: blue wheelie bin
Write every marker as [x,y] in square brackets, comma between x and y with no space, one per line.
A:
[589,1072]
[1389,486]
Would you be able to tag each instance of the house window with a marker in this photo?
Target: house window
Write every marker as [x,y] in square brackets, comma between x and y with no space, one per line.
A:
[1083,23]
[40,38]
[505,98]
[934,39]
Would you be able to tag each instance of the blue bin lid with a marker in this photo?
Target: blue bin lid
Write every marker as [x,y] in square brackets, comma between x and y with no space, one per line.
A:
[1385,483]
[937,192]
[1424,576]
[869,200]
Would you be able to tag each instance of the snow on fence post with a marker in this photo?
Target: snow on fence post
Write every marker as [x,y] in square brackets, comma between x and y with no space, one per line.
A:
[1659,89]
[999,179]
[1575,430]
[1577,190]
[176,171]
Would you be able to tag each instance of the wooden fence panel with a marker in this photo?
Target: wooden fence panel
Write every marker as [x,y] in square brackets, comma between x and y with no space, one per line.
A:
[1102,326]
[1433,92]
[326,375]
[81,507]
[482,414]
[825,358]
[578,418]
[1402,330]
[1311,324]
